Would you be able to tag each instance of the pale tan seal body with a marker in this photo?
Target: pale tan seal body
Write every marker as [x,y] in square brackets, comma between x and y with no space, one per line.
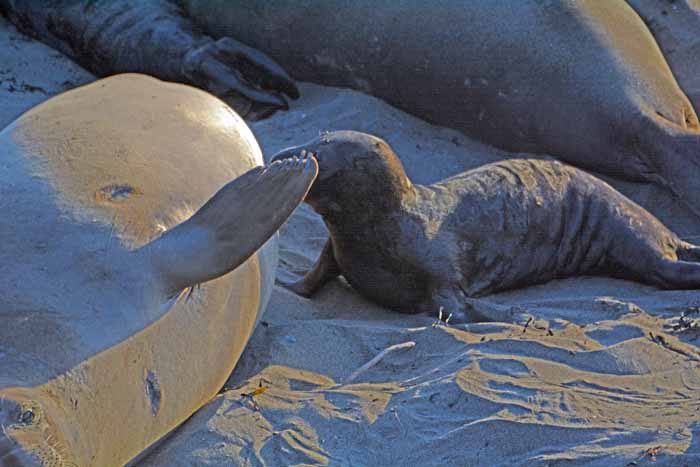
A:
[509,224]
[111,216]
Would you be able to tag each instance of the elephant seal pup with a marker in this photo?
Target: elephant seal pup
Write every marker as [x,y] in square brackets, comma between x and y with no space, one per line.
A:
[118,198]
[509,224]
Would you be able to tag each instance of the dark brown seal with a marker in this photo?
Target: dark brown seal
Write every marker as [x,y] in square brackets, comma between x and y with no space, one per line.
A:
[583,80]
[151,37]
[509,224]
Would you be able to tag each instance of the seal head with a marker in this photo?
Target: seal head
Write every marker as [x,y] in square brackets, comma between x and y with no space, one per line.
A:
[362,192]
[353,167]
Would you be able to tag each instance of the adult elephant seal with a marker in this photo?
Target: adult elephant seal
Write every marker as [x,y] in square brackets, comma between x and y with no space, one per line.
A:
[582,80]
[509,224]
[108,224]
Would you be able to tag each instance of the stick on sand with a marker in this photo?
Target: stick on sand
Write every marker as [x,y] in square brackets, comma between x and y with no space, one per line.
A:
[377,359]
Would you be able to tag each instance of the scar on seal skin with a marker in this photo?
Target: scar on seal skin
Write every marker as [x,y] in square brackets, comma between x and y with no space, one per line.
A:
[509,224]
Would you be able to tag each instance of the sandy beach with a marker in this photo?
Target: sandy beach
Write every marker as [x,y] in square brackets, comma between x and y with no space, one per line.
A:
[591,371]
[598,376]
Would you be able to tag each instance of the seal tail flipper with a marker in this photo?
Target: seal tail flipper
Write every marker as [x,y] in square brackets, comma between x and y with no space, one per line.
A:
[232,225]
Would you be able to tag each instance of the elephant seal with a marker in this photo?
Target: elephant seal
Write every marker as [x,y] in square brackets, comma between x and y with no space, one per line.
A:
[118,198]
[518,222]
[582,80]
[136,36]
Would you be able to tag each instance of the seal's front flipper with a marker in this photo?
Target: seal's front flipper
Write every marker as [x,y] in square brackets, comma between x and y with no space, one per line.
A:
[226,65]
[152,37]
[323,271]
[232,225]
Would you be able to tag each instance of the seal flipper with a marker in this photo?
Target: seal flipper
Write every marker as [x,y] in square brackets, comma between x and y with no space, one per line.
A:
[325,269]
[231,226]
[152,37]
[212,66]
